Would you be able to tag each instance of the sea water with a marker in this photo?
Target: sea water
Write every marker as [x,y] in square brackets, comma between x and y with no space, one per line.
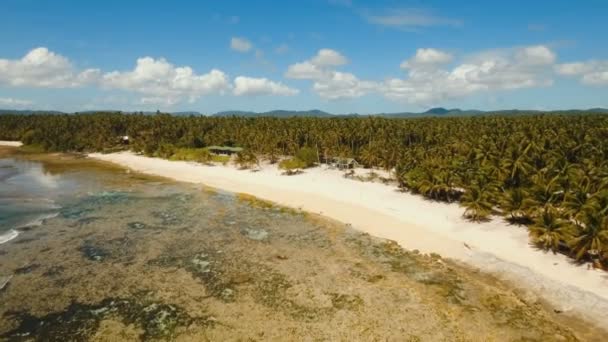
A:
[28,196]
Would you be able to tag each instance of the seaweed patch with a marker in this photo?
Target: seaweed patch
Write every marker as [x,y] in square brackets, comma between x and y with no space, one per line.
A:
[80,321]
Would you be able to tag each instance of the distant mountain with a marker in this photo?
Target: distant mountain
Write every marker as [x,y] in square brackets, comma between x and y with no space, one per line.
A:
[277,113]
[28,111]
[187,113]
[433,112]
[439,111]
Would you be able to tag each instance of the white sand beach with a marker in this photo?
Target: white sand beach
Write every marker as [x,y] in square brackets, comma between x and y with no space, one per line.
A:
[415,223]
[10,143]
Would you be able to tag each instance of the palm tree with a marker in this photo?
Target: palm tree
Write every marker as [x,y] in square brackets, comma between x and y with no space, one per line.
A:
[549,230]
[512,203]
[477,202]
[543,192]
[575,200]
[591,236]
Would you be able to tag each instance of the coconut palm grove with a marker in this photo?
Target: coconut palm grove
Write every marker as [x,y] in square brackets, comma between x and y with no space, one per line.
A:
[544,172]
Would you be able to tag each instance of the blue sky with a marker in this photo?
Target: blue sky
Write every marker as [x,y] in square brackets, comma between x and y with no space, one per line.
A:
[337,55]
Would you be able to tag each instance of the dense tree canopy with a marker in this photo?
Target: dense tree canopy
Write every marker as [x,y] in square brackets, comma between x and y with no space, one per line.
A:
[548,171]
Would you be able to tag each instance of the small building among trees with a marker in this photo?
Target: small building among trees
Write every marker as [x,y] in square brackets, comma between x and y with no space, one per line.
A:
[224,150]
[345,163]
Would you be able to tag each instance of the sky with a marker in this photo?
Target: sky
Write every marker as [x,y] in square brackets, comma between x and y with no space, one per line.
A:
[341,56]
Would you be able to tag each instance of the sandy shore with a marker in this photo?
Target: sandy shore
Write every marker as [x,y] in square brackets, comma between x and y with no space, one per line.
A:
[10,143]
[410,220]
[413,222]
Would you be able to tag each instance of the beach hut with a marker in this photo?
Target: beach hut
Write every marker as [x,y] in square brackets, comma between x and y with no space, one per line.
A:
[224,150]
[345,163]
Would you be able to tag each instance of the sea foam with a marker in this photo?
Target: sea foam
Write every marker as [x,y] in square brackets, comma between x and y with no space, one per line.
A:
[8,236]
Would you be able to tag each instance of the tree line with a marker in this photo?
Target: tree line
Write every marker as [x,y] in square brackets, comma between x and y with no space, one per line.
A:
[546,171]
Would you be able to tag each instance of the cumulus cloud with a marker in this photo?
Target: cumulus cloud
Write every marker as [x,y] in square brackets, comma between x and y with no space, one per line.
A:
[427,82]
[14,103]
[340,85]
[261,86]
[408,18]
[157,81]
[43,68]
[305,71]
[535,55]
[427,57]
[161,82]
[428,78]
[589,72]
[328,57]
[240,44]
[329,83]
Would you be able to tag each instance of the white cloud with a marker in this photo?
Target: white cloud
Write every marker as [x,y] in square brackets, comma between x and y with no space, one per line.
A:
[329,83]
[340,85]
[427,57]
[160,81]
[316,67]
[261,86]
[429,83]
[589,72]
[305,71]
[43,68]
[536,55]
[328,57]
[240,44]
[409,19]
[14,103]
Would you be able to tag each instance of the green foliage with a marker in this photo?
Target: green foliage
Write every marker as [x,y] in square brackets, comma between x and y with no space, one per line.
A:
[292,164]
[478,203]
[246,159]
[200,155]
[220,159]
[164,150]
[549,230]
[308,156]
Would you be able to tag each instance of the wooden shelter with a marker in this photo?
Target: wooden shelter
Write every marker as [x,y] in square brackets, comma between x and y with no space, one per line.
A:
[345,163]
[224,150]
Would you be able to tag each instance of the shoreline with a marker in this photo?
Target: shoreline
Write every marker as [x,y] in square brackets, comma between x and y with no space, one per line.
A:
[9,235]
[493,247]
[414,223]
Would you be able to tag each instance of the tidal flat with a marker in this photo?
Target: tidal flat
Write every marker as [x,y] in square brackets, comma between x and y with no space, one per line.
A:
[122,256]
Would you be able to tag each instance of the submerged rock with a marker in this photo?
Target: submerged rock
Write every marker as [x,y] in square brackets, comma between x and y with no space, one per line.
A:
[80,321]
[137,225]
[93,202]
[255,234]
[26,269]
[168,218]
[201,263]
[93,252]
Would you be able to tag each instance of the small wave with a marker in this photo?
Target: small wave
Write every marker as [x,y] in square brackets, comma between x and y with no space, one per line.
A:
[13,233]
[38,221]
[8,236]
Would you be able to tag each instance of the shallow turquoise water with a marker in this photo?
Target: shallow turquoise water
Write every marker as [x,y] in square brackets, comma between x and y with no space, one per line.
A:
[28,194]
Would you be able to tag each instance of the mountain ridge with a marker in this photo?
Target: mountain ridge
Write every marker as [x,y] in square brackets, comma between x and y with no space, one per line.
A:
[282,113]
